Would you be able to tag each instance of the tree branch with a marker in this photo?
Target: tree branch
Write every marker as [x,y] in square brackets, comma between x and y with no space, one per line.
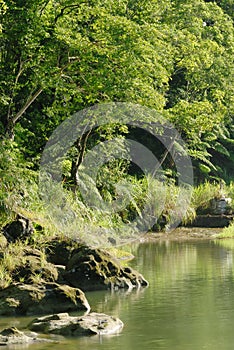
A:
[62,11]
[21,69]
[27,104]
[168,150]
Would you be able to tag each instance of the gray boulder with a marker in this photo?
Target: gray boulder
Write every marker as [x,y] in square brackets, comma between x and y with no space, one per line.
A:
[23,299]
[63,324]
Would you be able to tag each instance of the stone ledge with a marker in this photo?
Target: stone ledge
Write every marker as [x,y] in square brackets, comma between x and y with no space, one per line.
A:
[211,221]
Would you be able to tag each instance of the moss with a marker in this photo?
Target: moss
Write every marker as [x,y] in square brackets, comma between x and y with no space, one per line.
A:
[120,254]
[69,292]
[12,302]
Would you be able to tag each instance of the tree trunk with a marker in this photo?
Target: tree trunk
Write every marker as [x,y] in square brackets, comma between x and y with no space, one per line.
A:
[81,147]
[8,125]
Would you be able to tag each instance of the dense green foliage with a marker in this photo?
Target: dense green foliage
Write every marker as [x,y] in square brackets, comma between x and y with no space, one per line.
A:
[58,57]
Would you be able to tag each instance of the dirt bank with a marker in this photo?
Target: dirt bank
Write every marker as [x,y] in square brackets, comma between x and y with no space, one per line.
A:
[183,234]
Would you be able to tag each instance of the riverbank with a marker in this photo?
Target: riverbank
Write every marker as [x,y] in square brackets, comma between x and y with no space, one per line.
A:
[184,234]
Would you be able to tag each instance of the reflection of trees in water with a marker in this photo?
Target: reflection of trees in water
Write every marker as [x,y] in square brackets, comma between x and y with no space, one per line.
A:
[164,263]
[170,267]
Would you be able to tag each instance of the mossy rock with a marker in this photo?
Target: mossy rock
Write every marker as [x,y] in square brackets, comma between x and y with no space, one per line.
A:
[59,251]
[30,264]
[23,299]
[95,269]
[34,268]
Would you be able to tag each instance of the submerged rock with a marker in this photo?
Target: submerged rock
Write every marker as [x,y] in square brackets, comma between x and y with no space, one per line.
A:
[12,336]
[94,269]
[23,299]
[63,324]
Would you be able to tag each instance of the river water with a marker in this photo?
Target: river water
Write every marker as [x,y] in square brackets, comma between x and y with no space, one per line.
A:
[188,305]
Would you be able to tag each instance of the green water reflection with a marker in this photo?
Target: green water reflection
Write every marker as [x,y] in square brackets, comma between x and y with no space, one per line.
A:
[189,304]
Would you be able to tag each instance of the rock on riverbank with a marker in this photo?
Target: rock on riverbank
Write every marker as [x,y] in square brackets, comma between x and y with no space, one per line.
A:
[94,269]
[24,299]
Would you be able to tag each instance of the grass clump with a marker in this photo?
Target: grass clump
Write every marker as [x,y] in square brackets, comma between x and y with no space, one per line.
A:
[11,259]
[227,232]
[203,195]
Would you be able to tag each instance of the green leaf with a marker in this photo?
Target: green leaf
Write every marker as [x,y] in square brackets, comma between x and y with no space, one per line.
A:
[221,149]
[204,168]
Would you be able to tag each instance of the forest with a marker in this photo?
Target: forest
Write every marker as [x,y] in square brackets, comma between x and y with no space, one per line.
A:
[174,57]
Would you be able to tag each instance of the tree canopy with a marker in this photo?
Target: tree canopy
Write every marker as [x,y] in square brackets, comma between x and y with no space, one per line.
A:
[58,57]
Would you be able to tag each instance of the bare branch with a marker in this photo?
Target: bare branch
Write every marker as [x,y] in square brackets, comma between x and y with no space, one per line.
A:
[168,151]
[21,69]
[61,13]
[27,104]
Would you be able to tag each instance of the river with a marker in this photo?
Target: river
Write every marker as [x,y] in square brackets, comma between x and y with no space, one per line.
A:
[188,305]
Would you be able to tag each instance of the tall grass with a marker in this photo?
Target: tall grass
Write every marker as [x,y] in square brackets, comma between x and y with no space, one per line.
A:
[110,209]
[204,193]
[230,193]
